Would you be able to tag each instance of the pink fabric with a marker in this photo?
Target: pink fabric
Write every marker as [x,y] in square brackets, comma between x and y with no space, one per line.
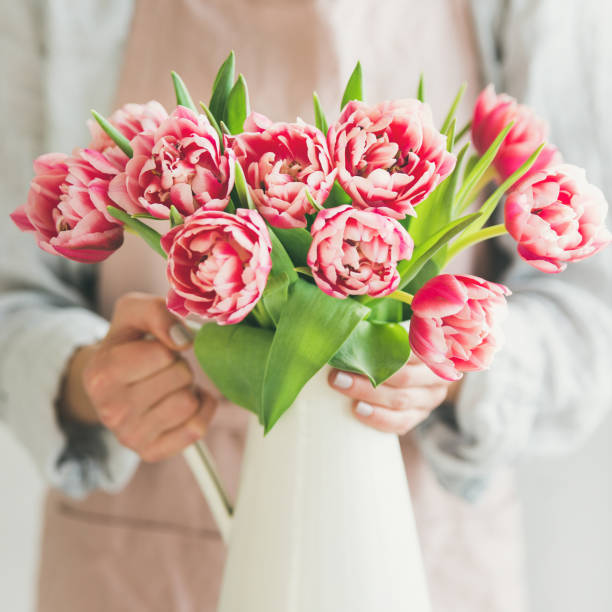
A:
[153,547]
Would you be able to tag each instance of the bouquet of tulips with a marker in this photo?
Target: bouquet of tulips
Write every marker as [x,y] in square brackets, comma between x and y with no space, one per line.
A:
[295,245]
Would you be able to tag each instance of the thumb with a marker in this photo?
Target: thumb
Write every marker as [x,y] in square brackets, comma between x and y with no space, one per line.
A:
[138,314]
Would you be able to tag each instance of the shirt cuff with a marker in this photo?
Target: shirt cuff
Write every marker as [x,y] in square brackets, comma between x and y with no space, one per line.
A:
[74,458]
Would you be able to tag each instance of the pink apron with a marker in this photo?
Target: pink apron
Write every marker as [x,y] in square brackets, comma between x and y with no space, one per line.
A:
[154,547]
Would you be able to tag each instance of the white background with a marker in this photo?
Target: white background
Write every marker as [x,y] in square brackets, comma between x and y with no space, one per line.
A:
[568,527]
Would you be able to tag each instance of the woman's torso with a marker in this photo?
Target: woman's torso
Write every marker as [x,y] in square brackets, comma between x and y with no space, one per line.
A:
[154,546]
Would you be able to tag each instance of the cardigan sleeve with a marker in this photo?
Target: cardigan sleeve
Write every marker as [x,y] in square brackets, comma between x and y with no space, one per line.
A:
[45,302]
[549,387]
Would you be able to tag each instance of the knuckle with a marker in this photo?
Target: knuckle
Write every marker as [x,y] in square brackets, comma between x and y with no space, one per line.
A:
[404,377]
[123,302]
[97,381]
[401,400]
[159,311]
[127,438]
[111,414]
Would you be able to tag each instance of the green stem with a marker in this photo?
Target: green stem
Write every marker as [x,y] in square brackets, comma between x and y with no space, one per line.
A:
[471,239]
[401,296]
[262,317]
[485,179]
[303,270]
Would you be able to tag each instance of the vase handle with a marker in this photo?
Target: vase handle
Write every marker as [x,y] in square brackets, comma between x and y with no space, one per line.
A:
[202,465]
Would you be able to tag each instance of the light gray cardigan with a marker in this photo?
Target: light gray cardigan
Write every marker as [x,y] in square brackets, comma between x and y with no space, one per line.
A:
[547,390]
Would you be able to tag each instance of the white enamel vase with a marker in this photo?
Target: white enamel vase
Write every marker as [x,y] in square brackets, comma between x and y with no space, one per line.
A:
[323,520]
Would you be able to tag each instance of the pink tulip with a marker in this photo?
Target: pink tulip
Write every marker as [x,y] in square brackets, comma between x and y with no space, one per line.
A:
[492,114]
[556,216]
[130,120]
[181,164]
[218,264]
[66,205]
[455,326]
[281,161]
[355,252]
[389,156]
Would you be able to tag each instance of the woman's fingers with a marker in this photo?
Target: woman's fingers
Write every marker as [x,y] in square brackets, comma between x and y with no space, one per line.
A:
[393,398]
[398,405]
[149,391]
[171,412]
[414,373]
[389,421]
[175,440]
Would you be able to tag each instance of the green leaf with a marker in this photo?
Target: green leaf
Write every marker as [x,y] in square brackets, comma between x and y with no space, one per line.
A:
[453,109]
[450,137]
[337,197]
[354,87]
[436,211]
[145,216]
[447,197]
[237,108]
[385,310]
[222,87]
[427,272]
[490,204]
[281,276]
[487,209]
[242,189]
[281,262]
[312,328]
[320,120]
[477,172]
[450,186]
[234,358]
[312,201]
[469,165]
[426,250]
[182,94]
[175,217]
[116,136]
[213,122]
[296,242]
[275,295]
[148,234]
[376,350]
[421,88]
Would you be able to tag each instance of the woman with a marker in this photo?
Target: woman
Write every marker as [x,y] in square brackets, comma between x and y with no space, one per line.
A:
[141,540]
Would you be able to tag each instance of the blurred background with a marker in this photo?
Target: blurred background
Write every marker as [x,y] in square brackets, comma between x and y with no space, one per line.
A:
[567,529]
[567,505]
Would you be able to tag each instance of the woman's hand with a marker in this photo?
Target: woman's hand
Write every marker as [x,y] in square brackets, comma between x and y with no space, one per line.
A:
[136,383]
[401,402]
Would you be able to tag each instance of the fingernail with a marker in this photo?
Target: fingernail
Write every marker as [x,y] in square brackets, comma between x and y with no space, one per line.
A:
[364,409]
[179,335]
[343,380]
